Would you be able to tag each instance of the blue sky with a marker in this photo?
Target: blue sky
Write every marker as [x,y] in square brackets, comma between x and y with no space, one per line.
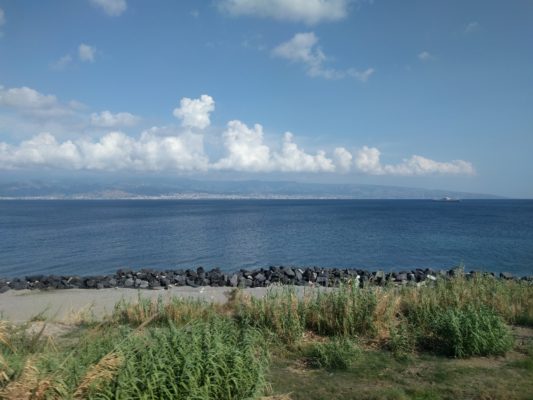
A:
[435,94]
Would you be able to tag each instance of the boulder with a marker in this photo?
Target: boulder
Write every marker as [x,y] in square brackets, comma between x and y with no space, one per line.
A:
[506,275]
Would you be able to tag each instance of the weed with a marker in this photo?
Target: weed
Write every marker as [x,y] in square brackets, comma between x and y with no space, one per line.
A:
[336,354]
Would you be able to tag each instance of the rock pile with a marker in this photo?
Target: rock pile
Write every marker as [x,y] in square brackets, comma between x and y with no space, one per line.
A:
[262,277]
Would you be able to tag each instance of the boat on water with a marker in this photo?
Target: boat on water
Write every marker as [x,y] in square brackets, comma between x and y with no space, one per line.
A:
[447,199]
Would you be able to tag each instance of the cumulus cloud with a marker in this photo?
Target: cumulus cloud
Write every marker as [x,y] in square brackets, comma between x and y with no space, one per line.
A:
[113,8]
[194,113]
[343,159]
[114,151]
[30,101]
[86,53]
[246,151]
[182,149]
[303,48]
[293,159]
[307,11]
[107,119]
[425,56]
[367,160]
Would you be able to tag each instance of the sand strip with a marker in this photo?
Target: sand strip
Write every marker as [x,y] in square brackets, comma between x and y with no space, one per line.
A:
[67,304]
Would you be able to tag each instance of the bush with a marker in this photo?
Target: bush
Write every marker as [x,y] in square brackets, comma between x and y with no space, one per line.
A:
[336,354]
[467,332]
[206,360]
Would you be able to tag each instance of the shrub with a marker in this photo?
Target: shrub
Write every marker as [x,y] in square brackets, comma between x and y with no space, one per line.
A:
[467,332]
[336,354]
[215,359]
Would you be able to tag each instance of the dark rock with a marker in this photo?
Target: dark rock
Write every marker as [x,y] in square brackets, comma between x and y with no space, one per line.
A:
[379,277]
[289,272]
[322,280]
[260,277]
[129,282]
[90,283]
[143,284]
[454,272]
[191,283]
[506,275]
[112,282]
[234,280]
[401,277]
[124,272]
[33,278]
[4,288]
[99,285]
[299,276]
[180,280]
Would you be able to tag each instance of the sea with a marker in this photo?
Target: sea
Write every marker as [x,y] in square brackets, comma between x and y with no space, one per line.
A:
[96,237]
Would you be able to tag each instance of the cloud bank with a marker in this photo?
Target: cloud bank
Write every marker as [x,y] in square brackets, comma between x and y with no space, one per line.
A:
[183,149]
[303,48]
[367,160]
[307,11]
[106,119]
[29,101]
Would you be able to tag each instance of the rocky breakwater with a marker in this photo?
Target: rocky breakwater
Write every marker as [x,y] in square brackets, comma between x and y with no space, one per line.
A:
[261,277]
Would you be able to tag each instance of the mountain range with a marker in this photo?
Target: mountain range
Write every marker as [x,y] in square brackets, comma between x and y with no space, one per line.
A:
[200,189]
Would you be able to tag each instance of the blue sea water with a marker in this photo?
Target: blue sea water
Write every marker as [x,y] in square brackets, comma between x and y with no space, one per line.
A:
[97,237]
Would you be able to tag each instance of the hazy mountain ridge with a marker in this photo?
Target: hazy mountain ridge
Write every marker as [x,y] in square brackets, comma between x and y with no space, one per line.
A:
[196,189]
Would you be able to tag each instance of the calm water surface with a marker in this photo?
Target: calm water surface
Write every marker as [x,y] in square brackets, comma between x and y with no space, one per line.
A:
[97,237]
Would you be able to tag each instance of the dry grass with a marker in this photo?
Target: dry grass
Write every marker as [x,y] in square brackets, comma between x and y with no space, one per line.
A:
[99,375]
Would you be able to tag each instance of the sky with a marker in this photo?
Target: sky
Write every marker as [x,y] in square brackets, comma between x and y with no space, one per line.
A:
[427,93]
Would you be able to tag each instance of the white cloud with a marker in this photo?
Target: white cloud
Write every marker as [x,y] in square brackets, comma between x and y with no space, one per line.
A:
[106,119]
[425,56]
[2,17]
[472,27]
[362,76]
[194,113]
[343,159]
[113,8]
[303,48]
[41,150]
[245,147]
[367,160]
[30,101]
[175,149]
[293,159]
[86,53]
[248,152]
[307,11]
[62,63]
[114,151]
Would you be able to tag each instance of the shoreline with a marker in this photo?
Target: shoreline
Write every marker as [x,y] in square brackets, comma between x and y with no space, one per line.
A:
[244,278]
[39,296]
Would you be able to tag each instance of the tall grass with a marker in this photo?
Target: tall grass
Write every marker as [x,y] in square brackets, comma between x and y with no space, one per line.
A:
[402,318]
[195,349]
[335,354]
[208,360]
[214,358]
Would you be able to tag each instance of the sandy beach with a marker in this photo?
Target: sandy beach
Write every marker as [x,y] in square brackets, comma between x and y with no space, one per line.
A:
[66,305]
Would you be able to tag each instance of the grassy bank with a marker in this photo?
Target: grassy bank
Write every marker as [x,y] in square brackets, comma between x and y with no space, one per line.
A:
[459,338]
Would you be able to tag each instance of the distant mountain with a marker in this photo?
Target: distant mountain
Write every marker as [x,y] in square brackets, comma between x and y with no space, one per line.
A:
[197,189]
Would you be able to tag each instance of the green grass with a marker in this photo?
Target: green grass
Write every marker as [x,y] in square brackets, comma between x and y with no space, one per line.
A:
[335,354]
[381,343]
